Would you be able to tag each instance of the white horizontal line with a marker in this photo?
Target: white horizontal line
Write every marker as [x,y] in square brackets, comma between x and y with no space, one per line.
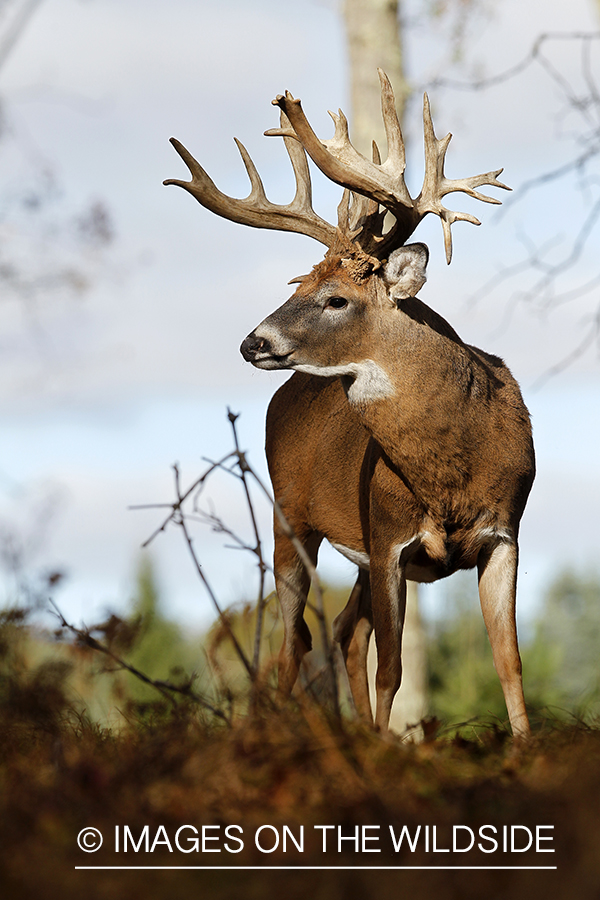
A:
[325,868]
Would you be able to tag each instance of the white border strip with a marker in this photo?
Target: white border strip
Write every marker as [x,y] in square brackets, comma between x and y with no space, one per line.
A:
[319,868]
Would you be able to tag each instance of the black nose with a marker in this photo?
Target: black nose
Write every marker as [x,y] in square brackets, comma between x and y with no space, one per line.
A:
[252,345]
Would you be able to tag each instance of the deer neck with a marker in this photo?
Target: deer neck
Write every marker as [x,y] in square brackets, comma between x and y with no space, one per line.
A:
[420,396]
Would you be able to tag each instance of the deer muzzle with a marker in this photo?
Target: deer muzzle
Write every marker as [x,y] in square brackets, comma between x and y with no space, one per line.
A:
[264,353]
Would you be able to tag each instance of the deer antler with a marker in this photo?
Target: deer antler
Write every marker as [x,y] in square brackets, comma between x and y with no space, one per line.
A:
[368,185]
[256,209]
[384,182]
[436,185]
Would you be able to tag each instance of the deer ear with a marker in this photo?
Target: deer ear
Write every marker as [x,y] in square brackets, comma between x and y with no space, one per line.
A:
[404,272]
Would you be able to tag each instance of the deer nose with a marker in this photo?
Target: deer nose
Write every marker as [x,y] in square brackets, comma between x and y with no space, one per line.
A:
[253,345]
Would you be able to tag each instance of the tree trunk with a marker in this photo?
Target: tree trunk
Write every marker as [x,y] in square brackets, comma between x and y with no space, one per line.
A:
[374,40]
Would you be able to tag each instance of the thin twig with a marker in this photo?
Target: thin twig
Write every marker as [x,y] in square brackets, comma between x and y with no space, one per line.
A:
[260,605]
[223,618]
[512,72]
[583,100]
[588,340]
[166,688]
[175,507]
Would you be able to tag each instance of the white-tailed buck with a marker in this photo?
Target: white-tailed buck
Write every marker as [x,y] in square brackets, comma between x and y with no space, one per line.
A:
[409,450]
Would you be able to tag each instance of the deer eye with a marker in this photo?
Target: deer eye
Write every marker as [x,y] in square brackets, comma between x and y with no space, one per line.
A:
[336,303]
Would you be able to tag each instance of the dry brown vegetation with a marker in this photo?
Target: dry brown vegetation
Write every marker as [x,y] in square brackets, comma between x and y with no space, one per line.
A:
[173,764]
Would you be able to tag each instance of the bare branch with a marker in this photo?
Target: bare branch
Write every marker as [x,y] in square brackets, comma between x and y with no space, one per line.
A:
[180,520]
[180,517]
[513,71]
[166,688]
[175,507]
[592,335]
[584,101]
[319,608]
[260,605]
[16,28]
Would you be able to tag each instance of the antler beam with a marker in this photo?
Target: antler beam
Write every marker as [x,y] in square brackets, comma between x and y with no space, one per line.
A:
[256,209]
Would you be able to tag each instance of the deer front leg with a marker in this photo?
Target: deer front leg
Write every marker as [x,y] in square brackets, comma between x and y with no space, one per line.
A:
[388,584]
[497,569]
[292,583]
[352,630]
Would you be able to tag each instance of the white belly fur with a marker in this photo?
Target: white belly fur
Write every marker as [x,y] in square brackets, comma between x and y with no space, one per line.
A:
[355,556]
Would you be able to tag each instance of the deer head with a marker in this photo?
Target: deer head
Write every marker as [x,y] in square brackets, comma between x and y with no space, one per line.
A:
[368,265]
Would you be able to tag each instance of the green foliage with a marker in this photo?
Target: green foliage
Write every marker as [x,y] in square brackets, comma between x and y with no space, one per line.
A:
[560,659]
[463,683]
[561,663]
[159,647]
[561,667]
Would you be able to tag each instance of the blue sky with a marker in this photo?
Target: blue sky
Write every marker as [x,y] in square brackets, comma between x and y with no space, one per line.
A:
[101,393]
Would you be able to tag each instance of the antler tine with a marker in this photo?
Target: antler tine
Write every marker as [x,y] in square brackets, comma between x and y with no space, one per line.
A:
[396,159]
[256,210]
[342,163]
[359,217]
[362,217]
[436,185]
[303,197]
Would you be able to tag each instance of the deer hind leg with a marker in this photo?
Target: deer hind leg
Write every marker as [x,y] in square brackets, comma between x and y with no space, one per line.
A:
[352,630]
[292,583]
[497,568]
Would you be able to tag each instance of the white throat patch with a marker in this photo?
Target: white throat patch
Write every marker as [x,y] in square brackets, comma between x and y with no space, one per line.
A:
[371,382]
